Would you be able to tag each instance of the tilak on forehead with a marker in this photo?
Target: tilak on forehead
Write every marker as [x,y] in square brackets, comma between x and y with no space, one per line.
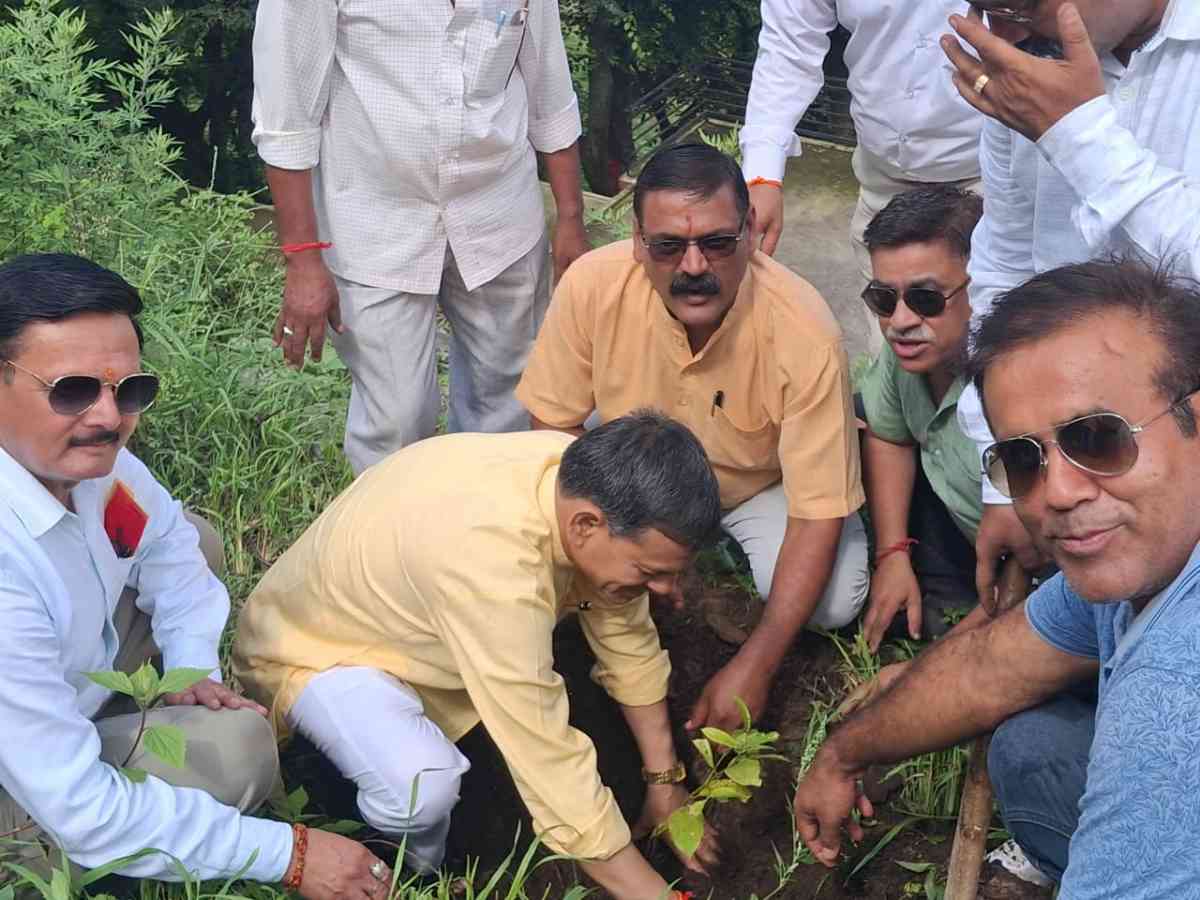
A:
[109,374]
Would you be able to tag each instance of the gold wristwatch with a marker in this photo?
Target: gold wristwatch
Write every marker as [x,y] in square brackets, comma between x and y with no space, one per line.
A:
[673,775]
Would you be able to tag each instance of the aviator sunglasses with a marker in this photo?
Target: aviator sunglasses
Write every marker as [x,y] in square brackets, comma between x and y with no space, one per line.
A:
[925,302]
[1101,443]
[73,395]
[713,246]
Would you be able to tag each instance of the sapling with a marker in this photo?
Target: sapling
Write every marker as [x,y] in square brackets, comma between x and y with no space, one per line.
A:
[148,691]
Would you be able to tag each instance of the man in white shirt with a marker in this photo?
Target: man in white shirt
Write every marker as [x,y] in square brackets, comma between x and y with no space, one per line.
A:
[912,127]
[401,144]
[100,570]
[1094,153]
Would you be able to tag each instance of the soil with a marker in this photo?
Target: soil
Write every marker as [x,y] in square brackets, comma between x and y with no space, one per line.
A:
[487,819]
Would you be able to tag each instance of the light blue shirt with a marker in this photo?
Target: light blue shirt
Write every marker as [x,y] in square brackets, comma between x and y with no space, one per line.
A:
[60,581]
[1139,817]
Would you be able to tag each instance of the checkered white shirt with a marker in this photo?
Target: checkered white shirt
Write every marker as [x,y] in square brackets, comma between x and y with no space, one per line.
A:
[421,120]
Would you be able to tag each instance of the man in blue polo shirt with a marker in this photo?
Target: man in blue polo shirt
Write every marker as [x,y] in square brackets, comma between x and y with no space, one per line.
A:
[1088,375]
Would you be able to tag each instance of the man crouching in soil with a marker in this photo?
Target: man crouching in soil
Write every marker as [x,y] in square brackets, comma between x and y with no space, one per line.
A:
[1088,375]
[424,601]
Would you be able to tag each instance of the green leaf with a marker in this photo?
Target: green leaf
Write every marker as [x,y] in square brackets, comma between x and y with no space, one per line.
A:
[747,722]
[168,743]
[297,802]
[137,776]
[8,892]
[343,827]
[704,748]
[114,681]
[915,867]
[718,736]
[723,789]
[60,884]
[686,830]
[176,680]
[145,684]
[745,771]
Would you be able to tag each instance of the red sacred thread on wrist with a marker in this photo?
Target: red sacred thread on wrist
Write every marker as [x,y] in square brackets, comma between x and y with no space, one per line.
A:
[307,245]
[682,895]
[299,851]
[904,546]
[754,182]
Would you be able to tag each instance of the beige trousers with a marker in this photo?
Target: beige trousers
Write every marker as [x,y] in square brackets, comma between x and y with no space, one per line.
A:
[231,754]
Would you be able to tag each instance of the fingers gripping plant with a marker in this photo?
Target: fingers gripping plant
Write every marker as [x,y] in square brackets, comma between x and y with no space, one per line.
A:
[734,761]
[148,691]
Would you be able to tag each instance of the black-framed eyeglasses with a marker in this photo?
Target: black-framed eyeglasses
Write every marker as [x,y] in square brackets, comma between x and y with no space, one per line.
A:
[925,302]
[713,246]
[73,395]
[1102,444]
[1019,14]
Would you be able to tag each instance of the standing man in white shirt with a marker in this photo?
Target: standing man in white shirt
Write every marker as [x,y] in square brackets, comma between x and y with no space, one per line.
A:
[401,144]
[1093,153]
[100,570]
[912,126]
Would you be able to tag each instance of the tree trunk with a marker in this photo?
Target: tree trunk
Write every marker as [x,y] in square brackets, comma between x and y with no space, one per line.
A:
[596,147]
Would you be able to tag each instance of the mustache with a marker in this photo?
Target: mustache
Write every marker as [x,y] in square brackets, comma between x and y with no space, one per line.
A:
[707,284]
[96,439]
[921,333]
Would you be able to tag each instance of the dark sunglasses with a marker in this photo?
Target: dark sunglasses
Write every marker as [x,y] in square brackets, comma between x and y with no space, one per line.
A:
[925,302]
[73,395]
[1102,444]
[713,246]
[1018,16]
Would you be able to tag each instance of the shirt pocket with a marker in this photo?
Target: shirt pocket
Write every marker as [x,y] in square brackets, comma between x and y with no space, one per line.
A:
[500,33]
[743,446]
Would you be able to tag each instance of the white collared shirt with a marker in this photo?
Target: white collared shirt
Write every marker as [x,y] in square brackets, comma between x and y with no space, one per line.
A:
[905,107]
[1119,174]
[60,581]
[421,119]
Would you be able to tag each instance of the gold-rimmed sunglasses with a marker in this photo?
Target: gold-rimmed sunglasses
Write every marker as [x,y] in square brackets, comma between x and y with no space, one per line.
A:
[73,395]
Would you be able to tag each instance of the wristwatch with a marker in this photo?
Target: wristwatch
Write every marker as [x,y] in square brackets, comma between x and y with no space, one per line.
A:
[673,775]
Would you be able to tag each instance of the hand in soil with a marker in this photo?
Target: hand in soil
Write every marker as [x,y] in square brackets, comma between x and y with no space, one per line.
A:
[824,800]
[716,706]
[661,801]
[893,588]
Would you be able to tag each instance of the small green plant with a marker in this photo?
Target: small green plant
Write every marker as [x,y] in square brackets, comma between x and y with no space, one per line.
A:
[734,761]
[931,888]
[148,691]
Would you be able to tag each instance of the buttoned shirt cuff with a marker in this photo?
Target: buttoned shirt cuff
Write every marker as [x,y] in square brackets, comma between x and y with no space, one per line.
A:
[1086,145]
[766,160]
[273,842]
[294,150]
[192,652]
[558,131]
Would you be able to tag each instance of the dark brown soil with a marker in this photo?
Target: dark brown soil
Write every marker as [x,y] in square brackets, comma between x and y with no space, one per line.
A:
[487,818]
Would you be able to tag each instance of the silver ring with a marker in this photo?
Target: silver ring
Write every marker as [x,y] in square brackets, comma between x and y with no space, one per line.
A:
[287,331]
[981,82]
[378,870]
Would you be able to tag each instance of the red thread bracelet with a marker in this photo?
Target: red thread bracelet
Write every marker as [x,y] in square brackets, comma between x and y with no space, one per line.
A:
[299,852]
[904,546]
[307,245]
[754,182]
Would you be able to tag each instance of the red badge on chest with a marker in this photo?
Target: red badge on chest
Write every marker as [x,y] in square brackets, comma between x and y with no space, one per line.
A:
[124,521]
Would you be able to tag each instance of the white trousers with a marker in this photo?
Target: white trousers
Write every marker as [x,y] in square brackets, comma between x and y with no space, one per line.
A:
[759,525]
[390,348]
[373,728]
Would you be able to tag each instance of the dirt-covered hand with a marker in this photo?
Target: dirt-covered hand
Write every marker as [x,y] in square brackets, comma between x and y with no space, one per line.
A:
[569,243]
[1027,93]
[338,868]
[214,695]
[824,800]
[661,801]
[1001,533]
[310,303]
[740,678]
[767,202]
[894,587]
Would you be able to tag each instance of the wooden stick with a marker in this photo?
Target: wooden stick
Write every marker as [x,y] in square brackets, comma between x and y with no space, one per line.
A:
[975,809]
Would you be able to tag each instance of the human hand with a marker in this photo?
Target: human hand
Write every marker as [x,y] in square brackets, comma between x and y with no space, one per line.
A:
[824,800]
[214,695]
[767,202]
[310,301]
[1027,93]
[662,800]
[338,868]
[893,587]
[569,243]
[741,677]
[1001,533]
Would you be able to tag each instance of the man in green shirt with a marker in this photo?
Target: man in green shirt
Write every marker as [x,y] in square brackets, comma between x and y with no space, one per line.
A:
[920,471]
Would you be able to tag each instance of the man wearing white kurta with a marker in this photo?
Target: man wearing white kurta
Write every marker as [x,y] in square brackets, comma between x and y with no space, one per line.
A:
[912,126]
[400,140]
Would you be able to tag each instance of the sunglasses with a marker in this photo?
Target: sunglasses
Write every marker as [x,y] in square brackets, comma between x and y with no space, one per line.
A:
[1102,444]
[73,395]
[713,246]
[925,302]
[1007,13]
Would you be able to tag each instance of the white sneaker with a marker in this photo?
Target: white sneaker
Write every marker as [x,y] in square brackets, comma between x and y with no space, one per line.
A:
[1012,858]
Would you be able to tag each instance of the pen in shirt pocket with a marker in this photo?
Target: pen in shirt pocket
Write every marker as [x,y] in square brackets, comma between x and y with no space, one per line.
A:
[718,403]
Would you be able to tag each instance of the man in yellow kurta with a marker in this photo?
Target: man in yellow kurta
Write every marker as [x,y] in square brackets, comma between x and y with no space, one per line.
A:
[424,598]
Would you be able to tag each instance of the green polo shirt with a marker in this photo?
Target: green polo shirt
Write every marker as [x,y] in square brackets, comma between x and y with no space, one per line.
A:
[900,410]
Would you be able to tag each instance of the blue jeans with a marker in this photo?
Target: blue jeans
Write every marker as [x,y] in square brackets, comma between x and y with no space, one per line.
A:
[1038,766]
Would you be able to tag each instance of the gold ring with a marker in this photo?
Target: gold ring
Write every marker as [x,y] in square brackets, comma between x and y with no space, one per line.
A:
[981,82]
